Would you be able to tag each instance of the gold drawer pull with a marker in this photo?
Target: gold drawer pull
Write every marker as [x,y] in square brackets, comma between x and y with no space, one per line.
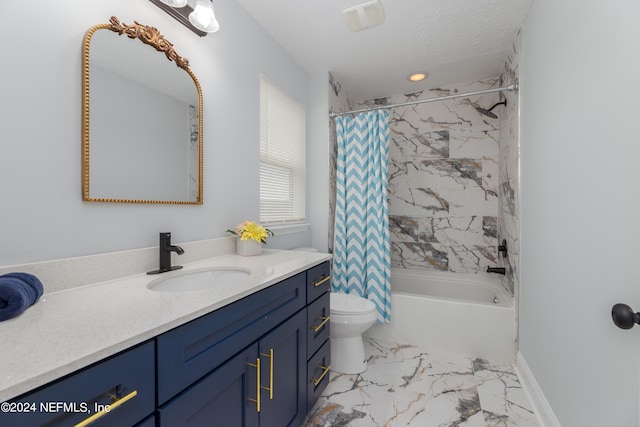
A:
[270,388]
[257,399]
[107,409]
[316,284]
[321,325]
[324,372]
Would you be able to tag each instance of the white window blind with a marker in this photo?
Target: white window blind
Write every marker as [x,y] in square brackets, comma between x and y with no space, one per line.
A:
[282,142]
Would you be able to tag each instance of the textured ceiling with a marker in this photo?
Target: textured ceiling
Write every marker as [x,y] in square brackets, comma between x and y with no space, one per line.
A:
[455,41]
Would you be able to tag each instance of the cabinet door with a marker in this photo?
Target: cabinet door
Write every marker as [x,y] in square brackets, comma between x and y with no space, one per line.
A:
[283,364]
[226,397]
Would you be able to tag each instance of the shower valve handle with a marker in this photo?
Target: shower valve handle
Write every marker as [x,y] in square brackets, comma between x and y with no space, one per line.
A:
[502,248]
[624,317]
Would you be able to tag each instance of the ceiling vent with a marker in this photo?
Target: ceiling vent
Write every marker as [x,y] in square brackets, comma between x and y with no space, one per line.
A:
[364,15]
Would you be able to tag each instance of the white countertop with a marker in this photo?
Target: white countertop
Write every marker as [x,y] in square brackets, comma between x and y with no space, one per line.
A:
[71,329]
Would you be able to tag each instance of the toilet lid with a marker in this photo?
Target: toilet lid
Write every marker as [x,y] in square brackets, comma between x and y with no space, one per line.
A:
[350,304]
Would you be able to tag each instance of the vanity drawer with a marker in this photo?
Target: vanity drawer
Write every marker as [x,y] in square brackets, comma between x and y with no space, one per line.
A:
[190,351]
[318,323]
[318,280]
[125,382]
[318,371]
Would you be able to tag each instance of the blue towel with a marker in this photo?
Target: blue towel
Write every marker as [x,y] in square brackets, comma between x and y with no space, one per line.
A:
[18,291]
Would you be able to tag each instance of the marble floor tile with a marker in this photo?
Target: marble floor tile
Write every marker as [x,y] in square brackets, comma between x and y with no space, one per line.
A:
[503,400]
[405,385]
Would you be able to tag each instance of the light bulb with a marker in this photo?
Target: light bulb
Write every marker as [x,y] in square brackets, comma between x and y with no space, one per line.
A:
[417,77]
[175,3]
[203,17]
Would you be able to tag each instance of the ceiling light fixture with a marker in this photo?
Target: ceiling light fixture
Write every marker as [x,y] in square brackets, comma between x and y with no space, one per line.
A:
[203,17]
[417,77]
[196,15]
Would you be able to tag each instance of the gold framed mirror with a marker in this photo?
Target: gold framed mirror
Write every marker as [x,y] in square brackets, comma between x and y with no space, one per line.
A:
[141,118]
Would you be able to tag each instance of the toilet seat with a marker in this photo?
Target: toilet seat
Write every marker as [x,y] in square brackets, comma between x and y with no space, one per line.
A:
[347,304]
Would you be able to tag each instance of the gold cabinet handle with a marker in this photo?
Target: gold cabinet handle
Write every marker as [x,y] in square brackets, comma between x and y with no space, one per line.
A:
[316,284]
[270,388]
[107,409]
[257,399]
[326,369]
[321,325]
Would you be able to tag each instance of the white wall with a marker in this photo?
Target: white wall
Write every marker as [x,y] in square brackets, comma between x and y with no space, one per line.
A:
[580,206]
[42,215]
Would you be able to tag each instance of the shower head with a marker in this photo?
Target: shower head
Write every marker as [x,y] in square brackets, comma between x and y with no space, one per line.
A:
[488,112]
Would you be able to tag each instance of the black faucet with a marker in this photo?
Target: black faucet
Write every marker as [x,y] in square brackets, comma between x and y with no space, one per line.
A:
[165,254]
[499,270]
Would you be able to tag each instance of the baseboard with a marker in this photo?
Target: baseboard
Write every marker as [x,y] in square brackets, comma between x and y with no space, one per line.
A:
[543,410]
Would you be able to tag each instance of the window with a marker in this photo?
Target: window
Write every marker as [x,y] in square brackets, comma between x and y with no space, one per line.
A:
[282,141]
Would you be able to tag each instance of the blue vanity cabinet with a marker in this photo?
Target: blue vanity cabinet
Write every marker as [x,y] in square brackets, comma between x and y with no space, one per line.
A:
[189,352]
[149,422]
[250,353]
[262,386]
[261,361]
[318,323]
[123,386]
[283,373]
[221,398]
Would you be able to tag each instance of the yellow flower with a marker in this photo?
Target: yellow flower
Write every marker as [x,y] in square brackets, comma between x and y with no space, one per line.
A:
[251,230]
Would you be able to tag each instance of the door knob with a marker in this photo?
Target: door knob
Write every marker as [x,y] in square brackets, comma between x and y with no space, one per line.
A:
[624,317]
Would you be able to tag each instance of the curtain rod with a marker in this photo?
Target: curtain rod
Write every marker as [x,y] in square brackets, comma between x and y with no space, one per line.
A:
[510,88]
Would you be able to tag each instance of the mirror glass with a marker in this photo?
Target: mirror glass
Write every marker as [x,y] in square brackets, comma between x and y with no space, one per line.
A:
[142,139]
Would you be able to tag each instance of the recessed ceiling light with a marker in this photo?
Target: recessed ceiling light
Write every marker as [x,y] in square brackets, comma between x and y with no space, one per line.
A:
[417,77]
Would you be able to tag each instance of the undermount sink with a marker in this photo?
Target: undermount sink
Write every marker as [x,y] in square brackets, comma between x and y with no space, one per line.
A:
[199,280]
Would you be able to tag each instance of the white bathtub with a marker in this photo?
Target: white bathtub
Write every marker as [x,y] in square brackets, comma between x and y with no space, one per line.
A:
[462,313]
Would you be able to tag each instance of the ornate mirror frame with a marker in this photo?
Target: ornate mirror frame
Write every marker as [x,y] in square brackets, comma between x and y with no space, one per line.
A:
[152,37]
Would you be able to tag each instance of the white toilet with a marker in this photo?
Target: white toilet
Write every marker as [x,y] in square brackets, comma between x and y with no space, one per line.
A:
[351,315]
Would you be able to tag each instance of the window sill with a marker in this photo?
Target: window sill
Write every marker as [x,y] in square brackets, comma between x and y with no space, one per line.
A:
[284,229]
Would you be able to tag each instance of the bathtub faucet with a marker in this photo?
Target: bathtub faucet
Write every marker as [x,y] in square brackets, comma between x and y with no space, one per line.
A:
[499,270]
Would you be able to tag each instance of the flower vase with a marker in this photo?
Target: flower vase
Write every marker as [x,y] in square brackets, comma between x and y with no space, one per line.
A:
[248,247]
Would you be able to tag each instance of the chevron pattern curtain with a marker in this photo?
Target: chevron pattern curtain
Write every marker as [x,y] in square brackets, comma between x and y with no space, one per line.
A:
[361,253]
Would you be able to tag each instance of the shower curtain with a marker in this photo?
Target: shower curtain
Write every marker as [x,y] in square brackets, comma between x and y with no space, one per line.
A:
[361,252]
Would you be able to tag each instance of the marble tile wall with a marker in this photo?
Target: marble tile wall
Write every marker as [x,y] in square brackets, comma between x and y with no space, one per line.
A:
[509,171]
[453,176]
[443,180]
